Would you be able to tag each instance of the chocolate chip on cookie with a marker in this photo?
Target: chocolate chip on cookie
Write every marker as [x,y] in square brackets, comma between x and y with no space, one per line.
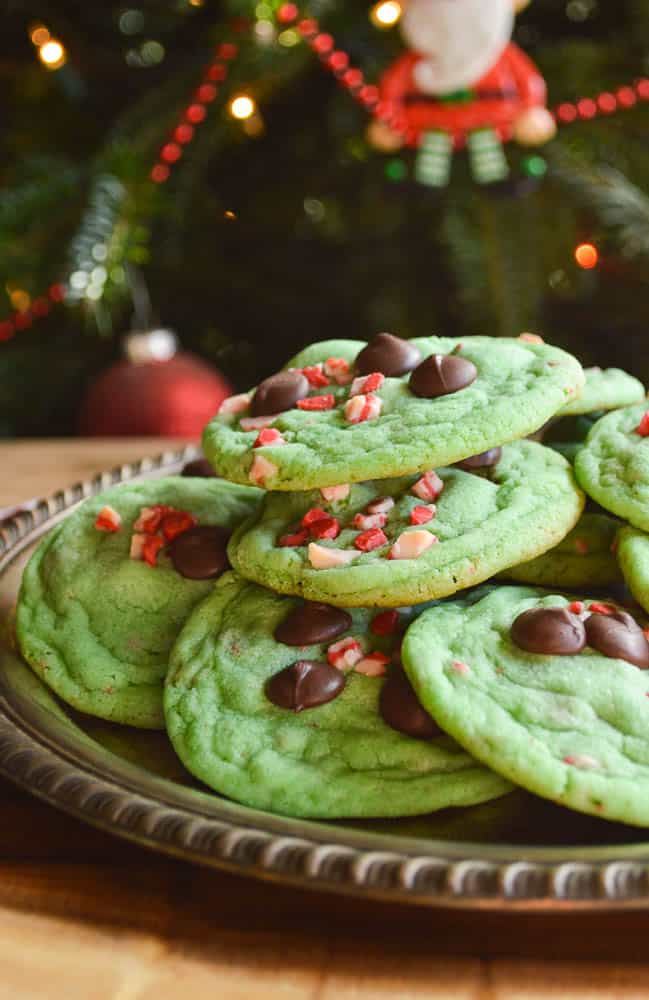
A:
[618,635]
[389,355]
[549,630]
[200,553]
[312,623]
[305,684]
[278,393]
[441,375]
[400,709]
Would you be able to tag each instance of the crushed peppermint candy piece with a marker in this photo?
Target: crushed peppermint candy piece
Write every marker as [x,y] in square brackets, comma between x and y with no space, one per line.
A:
[422,515]
[261,470]
[373,665]
[315,376]
[258,423]
[429,486]
[150,518]
[385,623]
[150,549]
[313,515]
[643,427]
[367,383]
[584,761]
[333,493]
[345,654]
[108,520]
[411,544]
[326,527]
[461,668]
[176,523]
[366,521]
[234,404]
[531,338]
[361,408]
[322,558]
[297,538]
[268,437]
[137,545]
[339,370]
[601,609]
[582,547]
[370,540]
[576,607]
[380,506]
[327,402]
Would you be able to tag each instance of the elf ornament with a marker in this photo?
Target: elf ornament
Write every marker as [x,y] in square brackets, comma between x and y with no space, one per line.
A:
[156,391]
[463,84]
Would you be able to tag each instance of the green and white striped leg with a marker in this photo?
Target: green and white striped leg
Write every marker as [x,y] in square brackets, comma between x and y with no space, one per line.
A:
[433,164]
[488,161]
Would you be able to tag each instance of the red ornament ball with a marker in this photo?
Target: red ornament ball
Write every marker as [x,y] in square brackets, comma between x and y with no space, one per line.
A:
[148,397]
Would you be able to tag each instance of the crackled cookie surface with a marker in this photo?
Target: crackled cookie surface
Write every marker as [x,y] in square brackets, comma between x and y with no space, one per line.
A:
[552,694]
[605,389]
[281,706]
[106,593]
[613,465]
[346,411]
[404,541]
[584,558]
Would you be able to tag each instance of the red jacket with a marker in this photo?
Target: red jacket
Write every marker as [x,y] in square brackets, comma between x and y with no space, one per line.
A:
[510,87]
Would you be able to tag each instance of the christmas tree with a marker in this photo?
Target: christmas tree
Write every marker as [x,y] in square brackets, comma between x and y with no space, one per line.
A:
[214,160]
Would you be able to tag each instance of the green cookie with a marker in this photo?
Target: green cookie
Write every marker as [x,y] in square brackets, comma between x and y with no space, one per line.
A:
[613,465]
[633,556]
[573,729]
[583,559]
[481,526]
[605,389]
[519,386]
[96,625]
[334,760]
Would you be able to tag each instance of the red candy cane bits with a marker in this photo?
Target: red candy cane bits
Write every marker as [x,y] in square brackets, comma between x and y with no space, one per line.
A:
[151,548]
[386,623]
[313,515]
[372,539]
[108,520]
[315,376]
[268,436]
[328,527]
[175,524]
[316,403]
[291,541]
[421,515]
[643,427]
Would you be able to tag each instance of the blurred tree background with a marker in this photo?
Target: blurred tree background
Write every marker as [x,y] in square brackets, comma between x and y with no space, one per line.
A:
[287,226]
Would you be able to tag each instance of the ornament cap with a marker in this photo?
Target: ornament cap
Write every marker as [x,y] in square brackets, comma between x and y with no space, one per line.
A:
[144,346]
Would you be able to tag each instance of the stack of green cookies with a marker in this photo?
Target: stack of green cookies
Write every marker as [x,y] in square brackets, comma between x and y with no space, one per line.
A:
[325,650]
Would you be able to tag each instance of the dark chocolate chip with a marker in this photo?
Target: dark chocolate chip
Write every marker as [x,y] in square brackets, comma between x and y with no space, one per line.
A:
[400,709]
[485,460]
[200,467]
[549,630]
[312,623]
[279,393]
[200,553]
[387,354]
[305,684]
[442,374]
[618,635]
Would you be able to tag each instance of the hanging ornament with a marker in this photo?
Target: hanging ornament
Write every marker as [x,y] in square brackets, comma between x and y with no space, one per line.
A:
[156,391]
[463,84]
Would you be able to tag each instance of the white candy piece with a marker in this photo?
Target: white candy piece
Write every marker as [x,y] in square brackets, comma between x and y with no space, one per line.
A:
[331,493]
[137,545]
[345,654]
[366,521]
[322,558]
[429,486]
[373,665]
[234,404]
[257,423]
[261,470]
[583,761]
[358,385]
[361,408]
[411,544]
[380,506]
[339,370]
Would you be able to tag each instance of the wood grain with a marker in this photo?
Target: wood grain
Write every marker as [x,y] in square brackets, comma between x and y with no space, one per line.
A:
[84,915]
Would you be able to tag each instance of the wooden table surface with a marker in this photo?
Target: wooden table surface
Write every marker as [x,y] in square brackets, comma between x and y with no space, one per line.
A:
[84,915]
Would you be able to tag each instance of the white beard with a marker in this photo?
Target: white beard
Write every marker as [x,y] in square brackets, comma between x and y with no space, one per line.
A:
[460,39]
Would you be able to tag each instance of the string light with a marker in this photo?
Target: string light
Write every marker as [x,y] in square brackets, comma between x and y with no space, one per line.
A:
[38,35]
[587,256]
[385,14]
[52,54]
[242,107]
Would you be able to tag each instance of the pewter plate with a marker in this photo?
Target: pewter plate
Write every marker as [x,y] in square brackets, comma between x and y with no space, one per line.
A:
[517,852]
